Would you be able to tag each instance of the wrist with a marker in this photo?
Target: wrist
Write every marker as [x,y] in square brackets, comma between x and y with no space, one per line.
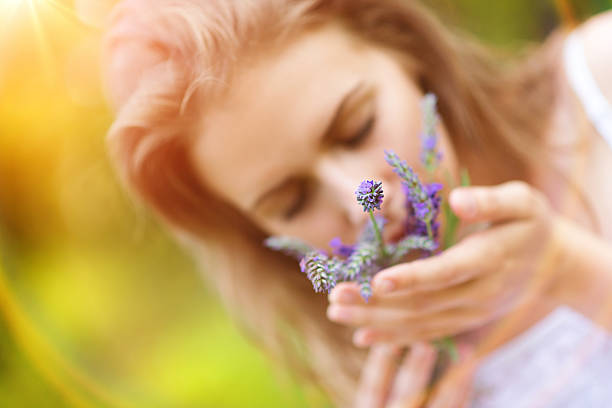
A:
[581,273]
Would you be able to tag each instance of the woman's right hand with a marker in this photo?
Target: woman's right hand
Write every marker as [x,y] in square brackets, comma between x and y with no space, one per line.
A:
[385,384]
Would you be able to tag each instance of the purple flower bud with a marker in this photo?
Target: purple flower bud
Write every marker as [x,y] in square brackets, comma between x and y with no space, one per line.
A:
[340,249]
[407,244]
[414,224]
[335,267]
[370,195]
[361,260]
[419,197]
[316,267]
[365,286]
[429,143]
[433,188]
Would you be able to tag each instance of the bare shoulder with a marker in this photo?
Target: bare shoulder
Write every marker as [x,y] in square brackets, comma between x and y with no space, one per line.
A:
[596,36]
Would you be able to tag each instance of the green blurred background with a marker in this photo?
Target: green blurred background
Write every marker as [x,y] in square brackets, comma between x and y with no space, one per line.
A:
[98,307]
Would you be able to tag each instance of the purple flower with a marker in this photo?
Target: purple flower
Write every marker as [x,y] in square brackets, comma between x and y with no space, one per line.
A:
[340,249]
[415,225]
[419,197]
[370,195]
[316,267]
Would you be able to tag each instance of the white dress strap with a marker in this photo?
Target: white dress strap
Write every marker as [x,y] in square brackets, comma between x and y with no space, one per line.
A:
[595,104]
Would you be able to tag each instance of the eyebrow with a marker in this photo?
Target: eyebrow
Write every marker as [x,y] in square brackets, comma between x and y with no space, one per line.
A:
[332,124]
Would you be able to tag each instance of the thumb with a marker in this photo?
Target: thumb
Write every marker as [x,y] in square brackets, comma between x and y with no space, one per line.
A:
[507,201]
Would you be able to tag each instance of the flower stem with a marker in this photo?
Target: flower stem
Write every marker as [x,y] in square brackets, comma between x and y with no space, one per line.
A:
[447,345]
[378,234]
[429,231]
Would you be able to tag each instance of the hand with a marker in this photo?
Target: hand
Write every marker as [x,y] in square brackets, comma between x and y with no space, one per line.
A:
[454,390]
[384,384]
[478,280]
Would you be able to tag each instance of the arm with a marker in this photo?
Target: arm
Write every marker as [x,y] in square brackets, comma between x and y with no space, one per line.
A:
[585,275]
[595,35]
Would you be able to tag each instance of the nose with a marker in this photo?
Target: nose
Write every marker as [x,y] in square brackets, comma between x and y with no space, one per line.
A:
[340,179]
[394,208]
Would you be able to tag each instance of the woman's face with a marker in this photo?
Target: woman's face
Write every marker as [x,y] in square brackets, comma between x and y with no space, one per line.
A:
[298,131]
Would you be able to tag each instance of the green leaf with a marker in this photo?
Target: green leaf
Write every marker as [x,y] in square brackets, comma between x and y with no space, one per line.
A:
[465,177]
[450,218]
[450,230]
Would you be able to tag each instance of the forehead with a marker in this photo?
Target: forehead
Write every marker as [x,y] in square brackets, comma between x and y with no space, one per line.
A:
[267,122]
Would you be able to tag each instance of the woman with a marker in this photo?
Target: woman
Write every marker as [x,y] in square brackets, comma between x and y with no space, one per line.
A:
[239,120]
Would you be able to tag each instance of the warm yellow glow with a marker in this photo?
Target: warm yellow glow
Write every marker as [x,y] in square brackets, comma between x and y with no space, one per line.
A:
[8,8]
[13,3]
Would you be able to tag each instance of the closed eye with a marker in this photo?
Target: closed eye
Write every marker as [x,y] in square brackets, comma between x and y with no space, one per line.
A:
[359,137]
[298,204]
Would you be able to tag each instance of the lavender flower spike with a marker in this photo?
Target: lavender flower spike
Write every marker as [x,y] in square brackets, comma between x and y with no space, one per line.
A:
[289,246]
[421,202]
[361,260]
[316,267]
[335,268]
[409,243]
[430,115]
[429,156]
[370,195]
[365,286]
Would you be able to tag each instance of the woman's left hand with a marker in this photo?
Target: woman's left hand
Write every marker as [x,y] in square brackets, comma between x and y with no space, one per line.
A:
[481,278]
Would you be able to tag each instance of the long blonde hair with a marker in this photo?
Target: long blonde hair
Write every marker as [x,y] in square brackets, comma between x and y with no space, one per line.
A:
[164,63]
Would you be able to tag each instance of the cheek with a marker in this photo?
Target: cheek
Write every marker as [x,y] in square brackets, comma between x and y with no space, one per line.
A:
[317,225]
[320,229]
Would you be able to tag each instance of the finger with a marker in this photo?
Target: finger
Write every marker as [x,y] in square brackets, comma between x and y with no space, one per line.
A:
[511,200]
[454,390]
[398,319]
[419,303]
[410,385]
[456,265]
[392,317]
[425,331]
[376,376]
[345,292]
[365,316]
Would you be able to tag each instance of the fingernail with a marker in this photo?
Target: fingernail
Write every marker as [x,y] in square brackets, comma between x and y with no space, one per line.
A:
[337,313]
[385,286]
[360,338]
[464,200]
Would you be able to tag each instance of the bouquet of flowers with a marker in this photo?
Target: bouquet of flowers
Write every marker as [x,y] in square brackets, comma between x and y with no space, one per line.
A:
[362,260]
